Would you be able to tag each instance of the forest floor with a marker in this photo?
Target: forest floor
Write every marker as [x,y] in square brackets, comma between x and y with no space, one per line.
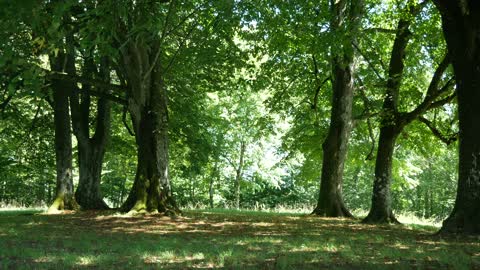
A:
[222,239]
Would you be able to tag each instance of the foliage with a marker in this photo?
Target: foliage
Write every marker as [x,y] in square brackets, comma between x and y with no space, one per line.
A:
[251,71]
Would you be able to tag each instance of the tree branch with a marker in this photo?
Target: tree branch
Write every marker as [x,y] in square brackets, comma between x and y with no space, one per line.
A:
[368,61]
[380,30]
[97,83]
[447,140]
[317,92]
[433,92]
[124,120]
[4,104]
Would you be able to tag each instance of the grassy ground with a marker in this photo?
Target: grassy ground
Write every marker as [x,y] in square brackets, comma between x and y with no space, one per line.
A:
[222,239]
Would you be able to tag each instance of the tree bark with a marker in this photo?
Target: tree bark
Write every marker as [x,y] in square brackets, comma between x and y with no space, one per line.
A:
[461,28]
[381,209]
[91,150]
[64,197]
[330,202]
[147,103]
[393,122]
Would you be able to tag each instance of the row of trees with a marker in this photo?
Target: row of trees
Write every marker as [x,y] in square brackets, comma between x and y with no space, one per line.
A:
[222,81]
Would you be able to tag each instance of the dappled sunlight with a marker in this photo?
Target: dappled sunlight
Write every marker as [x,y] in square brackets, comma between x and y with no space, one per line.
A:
[44,259]
[86,260]
[195,240]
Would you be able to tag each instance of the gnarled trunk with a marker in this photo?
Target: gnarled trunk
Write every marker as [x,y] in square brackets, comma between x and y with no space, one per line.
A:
[147,103]
[91,150]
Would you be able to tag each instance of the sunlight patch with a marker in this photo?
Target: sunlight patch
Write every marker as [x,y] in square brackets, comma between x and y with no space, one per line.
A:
[262,224]
[43,260]
[86,260]
[304,248]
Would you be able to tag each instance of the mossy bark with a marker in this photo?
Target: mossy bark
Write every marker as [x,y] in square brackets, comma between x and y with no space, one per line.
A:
[64,198]
[148,107]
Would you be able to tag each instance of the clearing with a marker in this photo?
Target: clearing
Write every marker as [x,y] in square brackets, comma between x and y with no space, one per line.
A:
[222,239]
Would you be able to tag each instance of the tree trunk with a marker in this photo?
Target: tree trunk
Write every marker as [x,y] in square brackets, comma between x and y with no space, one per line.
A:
[64,198]
[330,201]
[91,150]
[461,27]
[381,211]
[210,188]
[90,161]
[238,176]
[147,103]
[151,190]
[392,124]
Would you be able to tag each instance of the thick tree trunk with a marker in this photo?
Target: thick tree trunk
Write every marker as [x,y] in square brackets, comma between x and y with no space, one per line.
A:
[64,198]
[90,161]
[91,151]
[148,102]
[151,191]
[461,27]
[381,210]
[330,201]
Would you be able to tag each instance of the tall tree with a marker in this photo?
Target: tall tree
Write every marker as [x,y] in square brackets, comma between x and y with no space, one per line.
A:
[393,121]
[153,43]
[91,149]
[64,198]
[344,25]
[461,28]
[142,66]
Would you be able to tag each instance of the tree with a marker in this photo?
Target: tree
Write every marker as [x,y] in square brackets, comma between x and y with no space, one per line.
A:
[345,24]
[149,43]
[91,149]
[64,198]
[461,28]
[393,121]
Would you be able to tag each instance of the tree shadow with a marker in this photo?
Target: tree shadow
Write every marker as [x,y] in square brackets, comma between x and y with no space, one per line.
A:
[86,240]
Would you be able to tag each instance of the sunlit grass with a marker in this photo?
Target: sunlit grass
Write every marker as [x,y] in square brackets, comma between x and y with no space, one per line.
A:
[219,238]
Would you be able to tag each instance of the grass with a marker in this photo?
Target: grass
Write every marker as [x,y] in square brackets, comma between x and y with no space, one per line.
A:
[226,239]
